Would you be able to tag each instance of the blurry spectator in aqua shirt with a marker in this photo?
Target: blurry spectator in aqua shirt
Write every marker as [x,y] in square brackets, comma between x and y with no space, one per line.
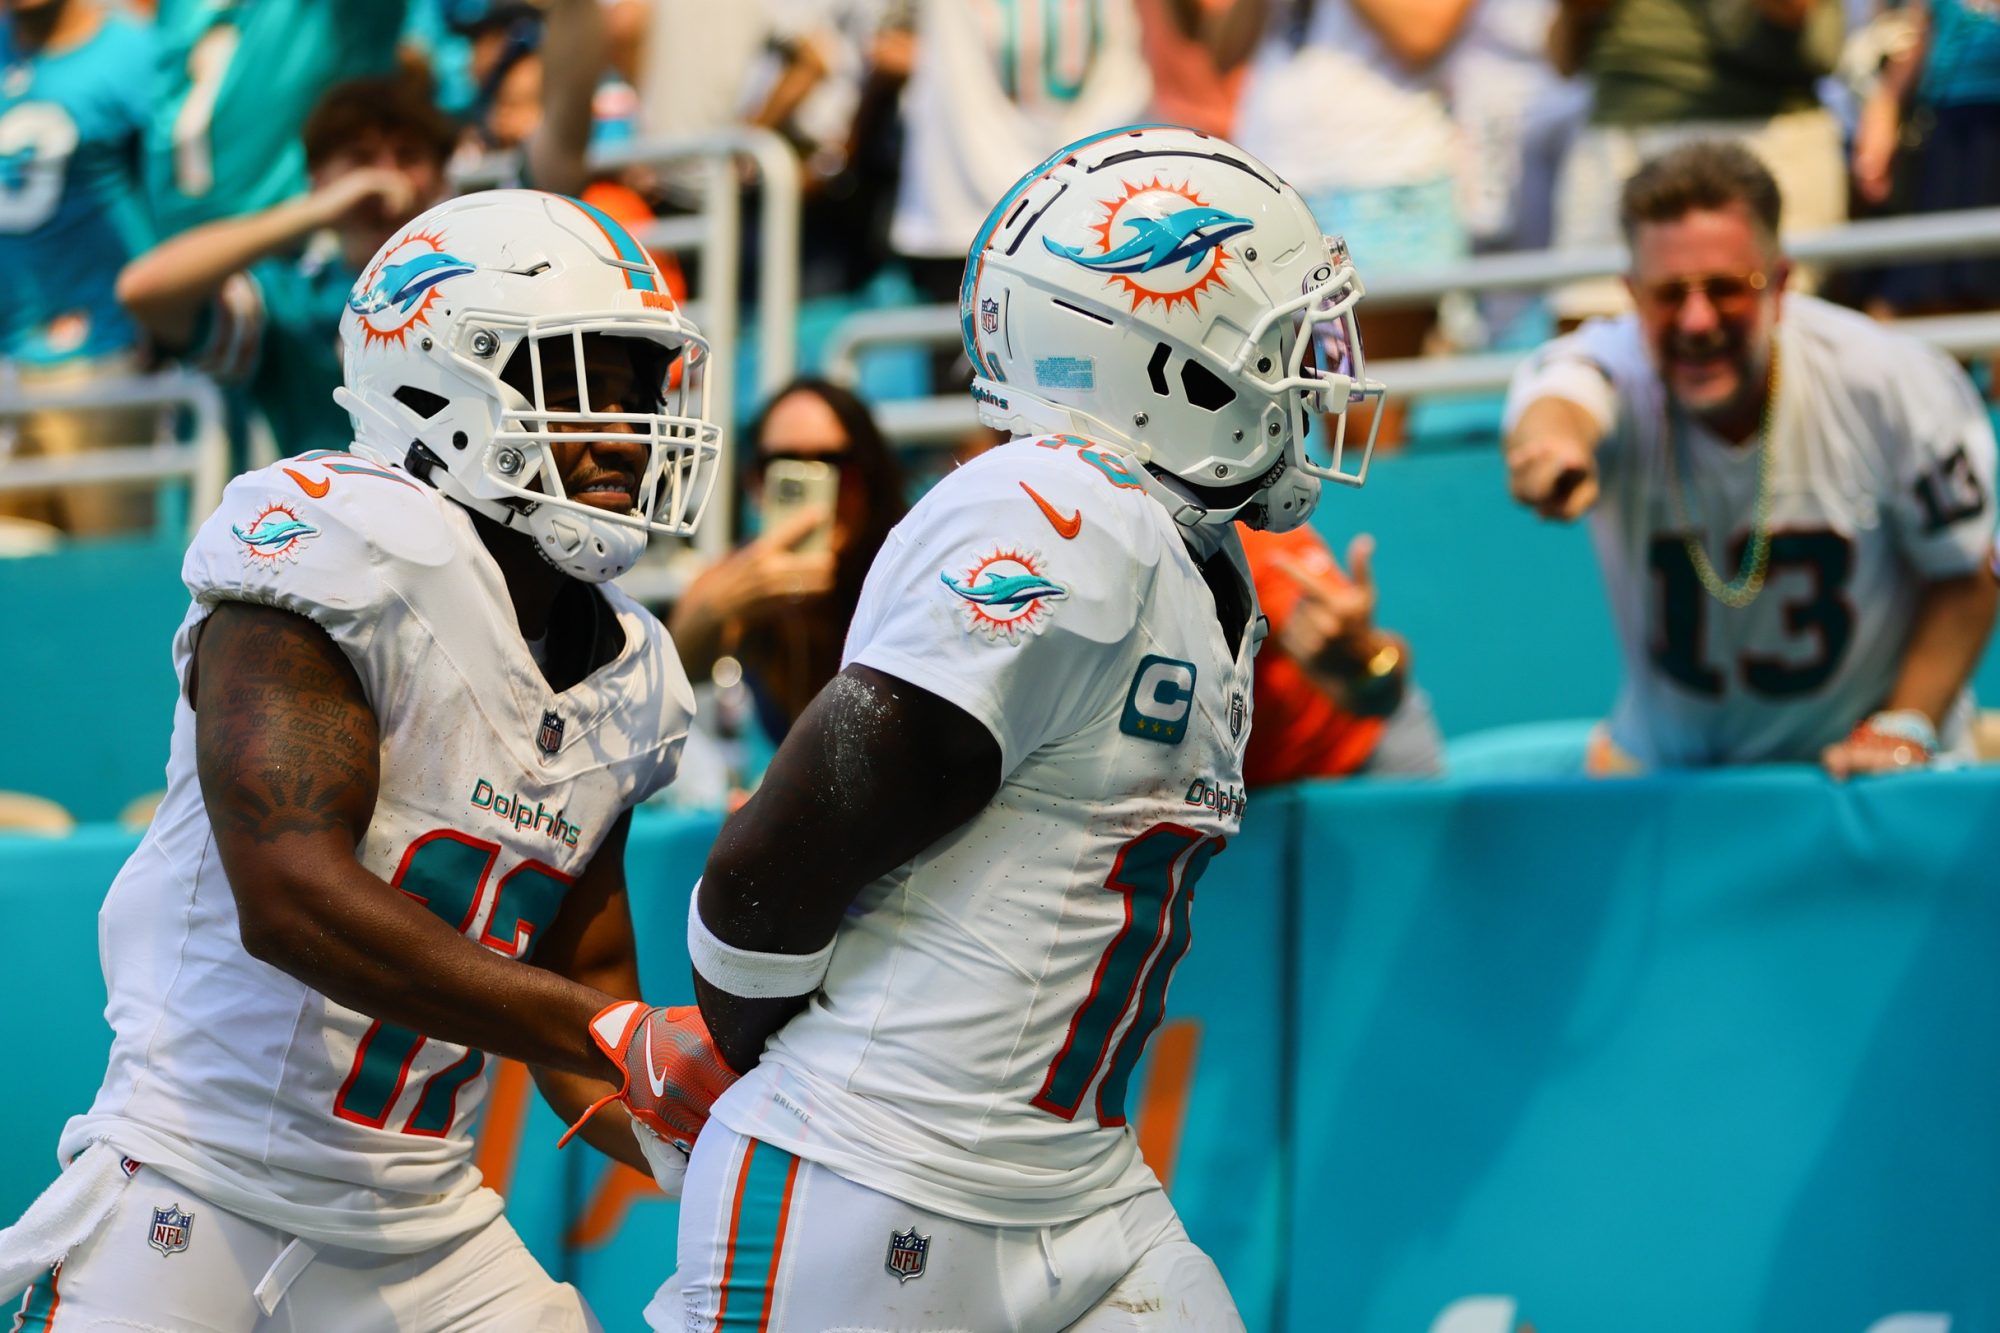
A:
[256,300]
[73,99]
[1929,140]
[235,81]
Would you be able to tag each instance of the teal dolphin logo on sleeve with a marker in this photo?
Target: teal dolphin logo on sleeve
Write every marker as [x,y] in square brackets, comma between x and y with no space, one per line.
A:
[1005,590]
[1006,595]
[275,534]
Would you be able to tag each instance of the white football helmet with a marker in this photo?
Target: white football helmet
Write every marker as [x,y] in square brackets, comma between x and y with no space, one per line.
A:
[483,290]
[1162,291]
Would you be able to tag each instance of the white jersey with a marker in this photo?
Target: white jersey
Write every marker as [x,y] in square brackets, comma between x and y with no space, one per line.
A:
[1883,478]
[1339,110]
[972,1046]
[1001,85]
[246,1085]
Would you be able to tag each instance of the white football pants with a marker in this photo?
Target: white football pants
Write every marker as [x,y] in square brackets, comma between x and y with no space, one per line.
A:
[770,1242]
[217,1272]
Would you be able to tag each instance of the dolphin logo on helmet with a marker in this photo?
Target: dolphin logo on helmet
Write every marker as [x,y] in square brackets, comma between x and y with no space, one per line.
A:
[1215,313]
[447,343]
[403,285]
[1188,234]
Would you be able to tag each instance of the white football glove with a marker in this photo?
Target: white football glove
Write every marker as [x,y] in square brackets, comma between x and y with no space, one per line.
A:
[668,1160]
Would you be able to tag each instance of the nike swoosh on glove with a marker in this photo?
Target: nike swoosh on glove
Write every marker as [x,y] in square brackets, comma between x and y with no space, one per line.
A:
[672,1071]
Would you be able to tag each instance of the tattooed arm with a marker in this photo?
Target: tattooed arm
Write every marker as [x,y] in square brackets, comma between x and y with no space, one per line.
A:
[874,771]
[287,749]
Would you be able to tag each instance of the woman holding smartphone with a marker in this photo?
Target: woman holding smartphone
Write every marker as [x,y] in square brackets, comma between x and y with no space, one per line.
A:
[826,491]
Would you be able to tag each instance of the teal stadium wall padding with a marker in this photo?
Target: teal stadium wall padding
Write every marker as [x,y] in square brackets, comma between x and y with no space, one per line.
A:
[87,657]
[1681,1052]
[1505,613]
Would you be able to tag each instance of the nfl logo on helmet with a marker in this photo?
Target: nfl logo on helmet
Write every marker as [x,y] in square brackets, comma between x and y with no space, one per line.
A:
[906,1254]
[989,315]
[170,1229]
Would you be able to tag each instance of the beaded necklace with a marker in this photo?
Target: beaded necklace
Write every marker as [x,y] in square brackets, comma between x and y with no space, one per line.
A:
[1742,590]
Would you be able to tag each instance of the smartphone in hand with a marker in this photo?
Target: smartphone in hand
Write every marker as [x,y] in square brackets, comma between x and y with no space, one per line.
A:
[793,484]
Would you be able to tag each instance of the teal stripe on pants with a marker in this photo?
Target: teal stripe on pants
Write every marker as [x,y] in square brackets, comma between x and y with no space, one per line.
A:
[38,1305]
[755,1238]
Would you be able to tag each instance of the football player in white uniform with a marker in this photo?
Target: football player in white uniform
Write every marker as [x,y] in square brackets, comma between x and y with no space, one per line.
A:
[943,929]
[413,721]
[1793,515]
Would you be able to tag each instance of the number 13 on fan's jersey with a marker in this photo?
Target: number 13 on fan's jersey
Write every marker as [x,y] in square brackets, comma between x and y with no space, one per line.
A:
[1156,872]
[448,872]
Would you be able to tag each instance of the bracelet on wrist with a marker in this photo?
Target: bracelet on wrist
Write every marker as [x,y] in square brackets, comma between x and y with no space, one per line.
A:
[1916,736]
[1374,684]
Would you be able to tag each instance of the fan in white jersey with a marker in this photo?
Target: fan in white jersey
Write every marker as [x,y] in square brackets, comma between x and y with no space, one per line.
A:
[999,84]
[1793,516]
[941,933]
[412,723]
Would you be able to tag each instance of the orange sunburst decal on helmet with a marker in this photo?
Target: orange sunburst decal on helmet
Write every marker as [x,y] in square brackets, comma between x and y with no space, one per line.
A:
[1159,241]
[395,295]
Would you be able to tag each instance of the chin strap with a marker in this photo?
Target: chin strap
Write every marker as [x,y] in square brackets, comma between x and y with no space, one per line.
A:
[1285,504]
[569,541]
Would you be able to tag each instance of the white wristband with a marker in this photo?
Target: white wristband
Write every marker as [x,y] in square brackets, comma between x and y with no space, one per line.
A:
[1572,378]
[1905,724]
[753,976]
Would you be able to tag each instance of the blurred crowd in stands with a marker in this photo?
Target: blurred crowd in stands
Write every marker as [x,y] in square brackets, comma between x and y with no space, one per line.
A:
[203,182]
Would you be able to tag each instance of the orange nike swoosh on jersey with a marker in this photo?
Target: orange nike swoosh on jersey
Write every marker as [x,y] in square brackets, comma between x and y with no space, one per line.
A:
[1066,528]
[316,489]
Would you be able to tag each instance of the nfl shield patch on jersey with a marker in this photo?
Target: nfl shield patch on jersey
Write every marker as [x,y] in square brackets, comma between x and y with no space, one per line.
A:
[548,738]
[906,1254]
[170,1229]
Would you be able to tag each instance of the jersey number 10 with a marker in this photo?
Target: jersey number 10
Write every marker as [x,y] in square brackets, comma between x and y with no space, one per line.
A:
[447,872]
[1156,872]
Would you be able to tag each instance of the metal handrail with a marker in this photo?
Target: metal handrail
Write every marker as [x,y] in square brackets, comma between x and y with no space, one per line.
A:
[1973,231]
[202,458]
[921,325]
[944,419]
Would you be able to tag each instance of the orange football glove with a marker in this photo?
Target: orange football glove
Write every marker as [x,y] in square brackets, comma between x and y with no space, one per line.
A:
[679,1073]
